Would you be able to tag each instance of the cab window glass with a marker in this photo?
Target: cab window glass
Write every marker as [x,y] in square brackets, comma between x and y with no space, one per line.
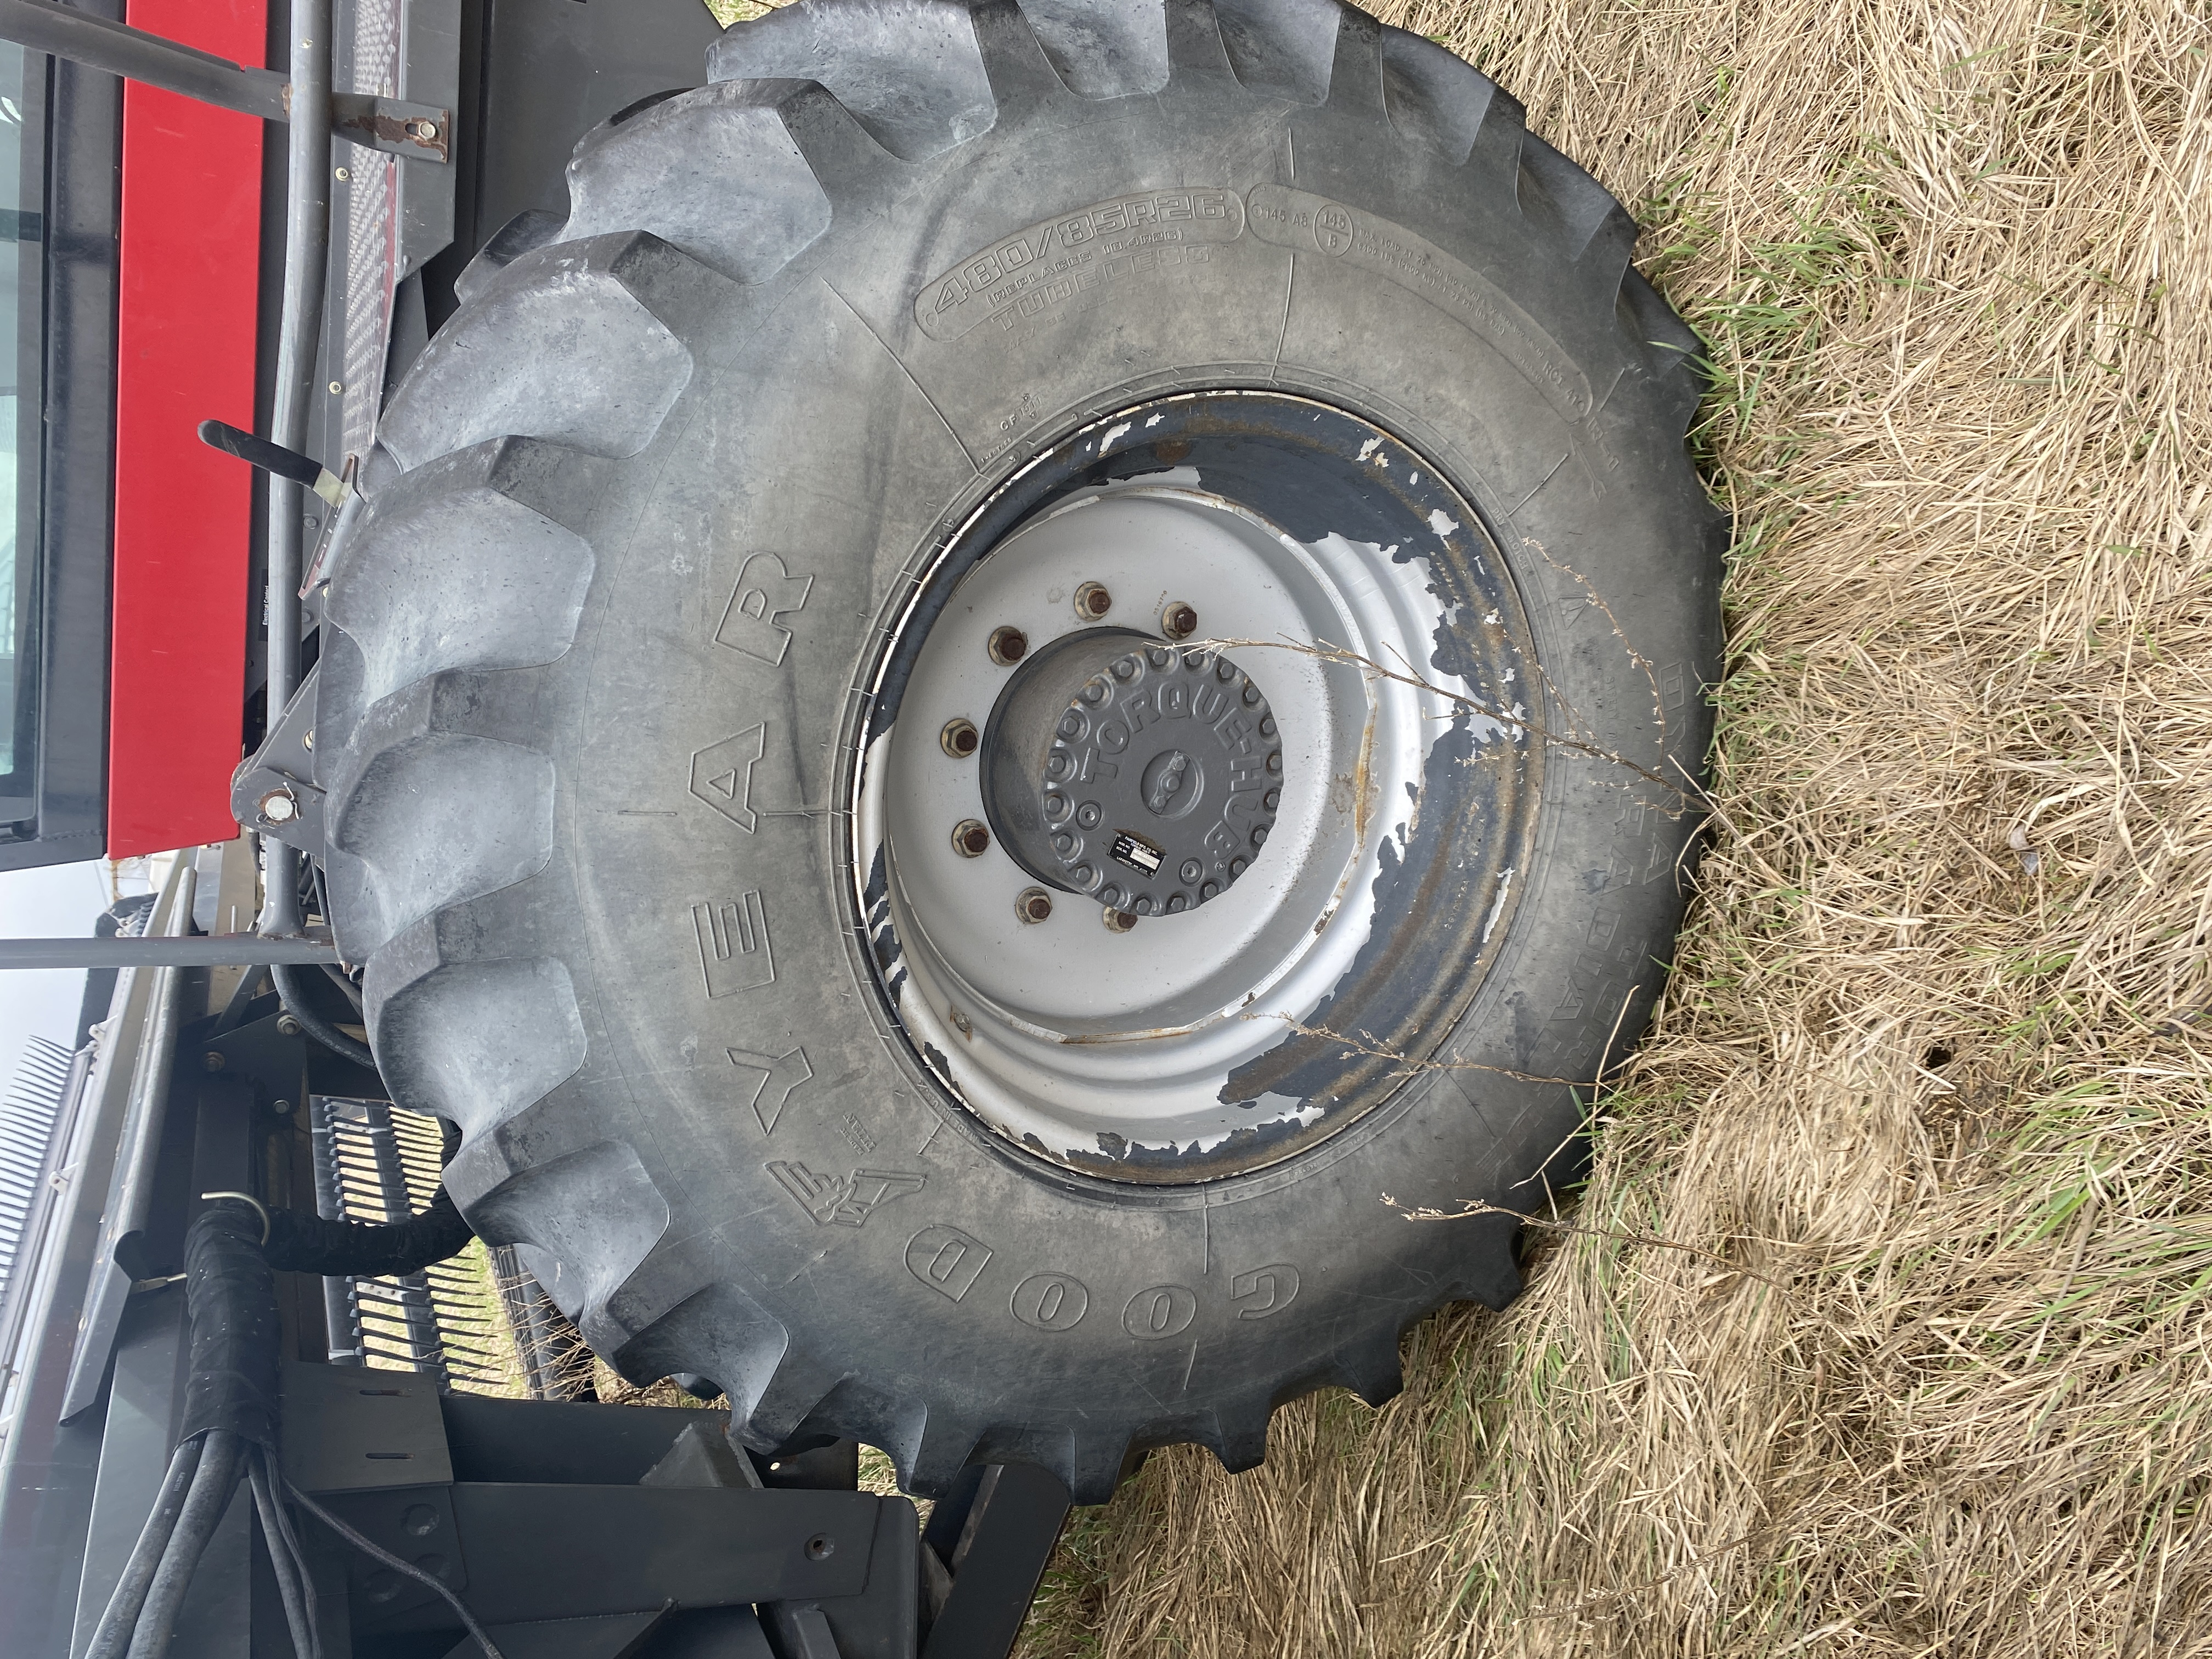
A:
[22,76]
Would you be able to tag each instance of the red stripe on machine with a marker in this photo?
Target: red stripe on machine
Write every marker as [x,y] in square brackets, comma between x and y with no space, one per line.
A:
[185,350]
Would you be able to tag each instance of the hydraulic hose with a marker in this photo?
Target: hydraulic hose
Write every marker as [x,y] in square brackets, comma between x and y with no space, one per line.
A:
[112,1636]
[302,1242]
[222,1462]
[286,978]
[228,1431]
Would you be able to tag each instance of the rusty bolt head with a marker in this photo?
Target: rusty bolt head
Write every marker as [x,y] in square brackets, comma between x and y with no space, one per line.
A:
[960,1024]
[1179,621]
[960,738]
[1092,601]
[1118,921]
[1033,904]
[970,839]
[278,807]
[1008,646]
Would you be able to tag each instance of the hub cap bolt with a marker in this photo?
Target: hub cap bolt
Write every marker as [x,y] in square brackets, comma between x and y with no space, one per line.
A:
[1092,602]
[1033,904]
[1008,646]
[970,839]
[1118,921]
[960,737]
[1179,621]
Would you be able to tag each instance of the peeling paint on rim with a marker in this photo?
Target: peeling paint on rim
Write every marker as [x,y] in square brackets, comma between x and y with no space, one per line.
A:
[1121,1054]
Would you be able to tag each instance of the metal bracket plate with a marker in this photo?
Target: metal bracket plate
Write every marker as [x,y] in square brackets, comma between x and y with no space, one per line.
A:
[274,790]
[422,132]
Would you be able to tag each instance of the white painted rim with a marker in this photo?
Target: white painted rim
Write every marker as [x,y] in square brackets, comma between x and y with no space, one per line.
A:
[1068,1037]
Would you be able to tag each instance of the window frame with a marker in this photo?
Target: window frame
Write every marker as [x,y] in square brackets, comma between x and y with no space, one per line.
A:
[73,504]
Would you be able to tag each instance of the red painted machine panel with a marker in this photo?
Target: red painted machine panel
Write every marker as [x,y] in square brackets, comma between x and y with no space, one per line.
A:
[189,282]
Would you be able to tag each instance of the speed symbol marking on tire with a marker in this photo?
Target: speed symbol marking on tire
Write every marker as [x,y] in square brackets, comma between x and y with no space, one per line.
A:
[1333,230]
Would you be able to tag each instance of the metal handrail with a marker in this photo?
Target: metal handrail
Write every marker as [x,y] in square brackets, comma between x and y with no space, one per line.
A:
[306,264]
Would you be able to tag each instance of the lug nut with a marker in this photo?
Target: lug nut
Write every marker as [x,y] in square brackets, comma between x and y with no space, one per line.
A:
[1179,621]
[960,738]
[1033,904]
[1008,646]
[970,839]
[1118,921]
[1092,602]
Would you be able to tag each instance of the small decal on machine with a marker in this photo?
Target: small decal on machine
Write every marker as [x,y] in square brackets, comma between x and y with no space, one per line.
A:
[1139,856]
[1107,244]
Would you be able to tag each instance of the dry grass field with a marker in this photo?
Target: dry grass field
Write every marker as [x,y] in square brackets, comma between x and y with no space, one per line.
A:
[1929,1096]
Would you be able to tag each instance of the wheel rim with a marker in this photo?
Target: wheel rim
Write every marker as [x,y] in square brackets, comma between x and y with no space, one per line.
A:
[1113,1042]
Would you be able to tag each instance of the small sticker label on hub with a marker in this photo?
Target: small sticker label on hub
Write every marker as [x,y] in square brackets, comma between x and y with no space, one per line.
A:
[1138,855]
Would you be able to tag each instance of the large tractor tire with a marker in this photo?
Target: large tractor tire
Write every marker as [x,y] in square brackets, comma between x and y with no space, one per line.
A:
[887,953]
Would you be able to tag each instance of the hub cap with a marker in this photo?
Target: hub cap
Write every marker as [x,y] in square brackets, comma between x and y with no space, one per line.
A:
[1141,775]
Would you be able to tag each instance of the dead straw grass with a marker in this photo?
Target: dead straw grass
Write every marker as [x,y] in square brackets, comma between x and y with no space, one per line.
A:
[1933,1070]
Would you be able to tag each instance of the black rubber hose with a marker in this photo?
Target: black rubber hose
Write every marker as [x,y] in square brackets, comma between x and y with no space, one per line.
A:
[301,1243]
[286,978]
[291,1571]
[112,1636]
[222,1462]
